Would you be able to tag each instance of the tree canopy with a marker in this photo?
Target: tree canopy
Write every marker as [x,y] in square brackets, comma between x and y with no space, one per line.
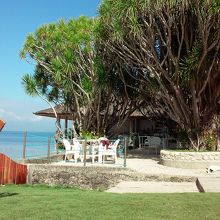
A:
[163,54]
[70,71]
[172,49]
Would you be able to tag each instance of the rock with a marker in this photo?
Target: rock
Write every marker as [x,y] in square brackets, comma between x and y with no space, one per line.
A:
[100,178]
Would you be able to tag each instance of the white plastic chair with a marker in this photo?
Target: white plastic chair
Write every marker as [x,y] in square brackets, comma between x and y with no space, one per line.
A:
[111,151]
[91,152]
[154,143]
[71,149]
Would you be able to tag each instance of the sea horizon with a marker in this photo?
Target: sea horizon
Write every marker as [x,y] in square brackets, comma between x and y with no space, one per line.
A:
[11,143]
[5,130]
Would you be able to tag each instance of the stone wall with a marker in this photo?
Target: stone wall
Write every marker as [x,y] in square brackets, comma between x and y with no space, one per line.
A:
[93,177]
[191,160]
[43,160]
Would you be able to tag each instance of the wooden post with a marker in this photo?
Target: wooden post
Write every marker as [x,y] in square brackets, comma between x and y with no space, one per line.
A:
[24,145]
[57,150]
[218,141]
[66,126]
[130,129]
[84,151]
[125,152]
[48,150]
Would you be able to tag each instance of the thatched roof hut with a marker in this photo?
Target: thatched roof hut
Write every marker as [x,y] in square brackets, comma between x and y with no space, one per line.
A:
[62,112]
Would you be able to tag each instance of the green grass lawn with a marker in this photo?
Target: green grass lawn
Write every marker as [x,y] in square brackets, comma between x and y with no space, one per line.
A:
[42,202]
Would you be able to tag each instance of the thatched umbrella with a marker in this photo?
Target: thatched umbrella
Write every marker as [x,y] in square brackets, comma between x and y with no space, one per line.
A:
[62,112]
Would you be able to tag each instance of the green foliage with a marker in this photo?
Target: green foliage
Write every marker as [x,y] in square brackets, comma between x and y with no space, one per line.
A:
[189,64]
[87,84]
[103,78]
[29,84]
[210,140]
[215,7]
[183,139]
[177,43]
[70,133]
[61,51]
[60,146]
[112,11]
[87,135]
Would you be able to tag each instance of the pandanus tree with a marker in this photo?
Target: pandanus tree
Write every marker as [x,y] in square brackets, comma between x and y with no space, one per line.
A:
[69,70]
[32,88]
[64,58]
[172,48]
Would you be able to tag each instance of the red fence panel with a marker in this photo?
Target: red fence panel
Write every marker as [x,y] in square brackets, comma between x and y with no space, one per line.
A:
[12,172]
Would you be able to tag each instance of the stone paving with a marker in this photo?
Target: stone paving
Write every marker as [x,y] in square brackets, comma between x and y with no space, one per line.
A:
[208,184]
[154,187]
[149,164]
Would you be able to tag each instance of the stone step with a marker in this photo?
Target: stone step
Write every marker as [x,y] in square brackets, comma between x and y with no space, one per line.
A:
[208,184]
[153,187]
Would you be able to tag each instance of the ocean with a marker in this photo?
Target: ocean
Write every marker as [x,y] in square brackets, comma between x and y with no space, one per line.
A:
[11,144]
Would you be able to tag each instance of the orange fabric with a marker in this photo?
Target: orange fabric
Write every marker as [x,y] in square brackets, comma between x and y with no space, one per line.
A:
[2,124]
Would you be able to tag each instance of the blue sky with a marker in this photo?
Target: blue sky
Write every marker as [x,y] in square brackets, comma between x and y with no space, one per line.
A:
[17,19]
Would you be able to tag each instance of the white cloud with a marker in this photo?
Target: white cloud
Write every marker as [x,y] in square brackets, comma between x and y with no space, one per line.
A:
[8,115]
[19,116]
[2,111]
[36,118]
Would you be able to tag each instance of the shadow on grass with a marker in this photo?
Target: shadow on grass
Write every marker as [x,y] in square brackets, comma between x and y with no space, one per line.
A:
[7,194]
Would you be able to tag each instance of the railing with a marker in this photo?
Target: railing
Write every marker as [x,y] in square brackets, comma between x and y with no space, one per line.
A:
[11,172]
[142,140]
[166,142]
